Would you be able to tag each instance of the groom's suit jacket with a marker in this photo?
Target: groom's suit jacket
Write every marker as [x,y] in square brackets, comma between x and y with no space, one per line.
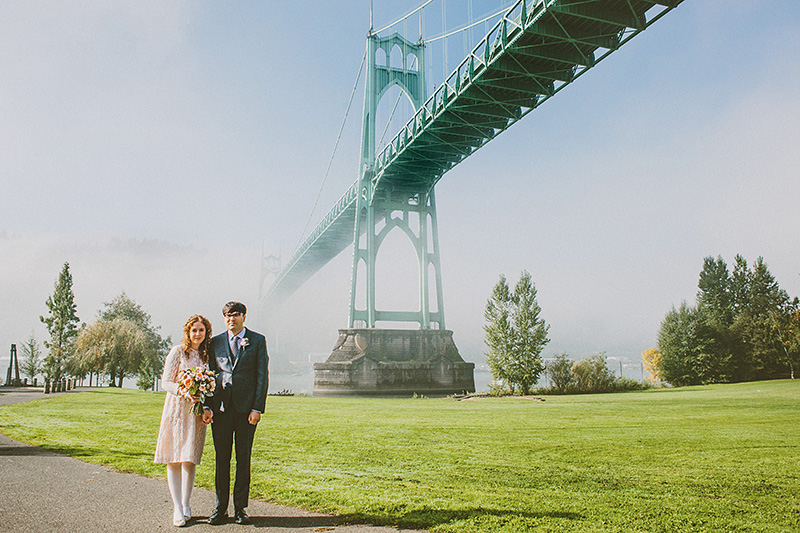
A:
[249,376]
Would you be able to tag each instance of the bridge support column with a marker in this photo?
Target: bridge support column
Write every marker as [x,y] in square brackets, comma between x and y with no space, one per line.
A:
[380,362]
[392,207]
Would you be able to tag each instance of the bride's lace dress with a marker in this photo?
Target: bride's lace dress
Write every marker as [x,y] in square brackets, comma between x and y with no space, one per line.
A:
[182,434]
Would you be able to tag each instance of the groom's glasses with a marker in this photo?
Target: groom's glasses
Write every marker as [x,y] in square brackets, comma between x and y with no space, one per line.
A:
[235,314]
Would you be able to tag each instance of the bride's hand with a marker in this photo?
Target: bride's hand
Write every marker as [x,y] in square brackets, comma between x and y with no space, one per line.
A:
[196,398]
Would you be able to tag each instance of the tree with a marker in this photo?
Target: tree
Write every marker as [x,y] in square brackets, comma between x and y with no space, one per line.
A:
[687,347]
[740,286]
[62,324]
[560,370]
[761,350]
[150,367]
[115,347]
[716,312]
[714,294]
[787,327]
[651,359]
[515,334]
[764,292]
[740,330]
[31,357]
[498,330]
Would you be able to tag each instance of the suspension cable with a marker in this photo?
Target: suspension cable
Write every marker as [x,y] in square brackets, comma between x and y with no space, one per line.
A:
[448,34]
[330,162]
[444,44]
[404,17]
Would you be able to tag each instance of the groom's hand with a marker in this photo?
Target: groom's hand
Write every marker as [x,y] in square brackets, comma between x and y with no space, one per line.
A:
[254,417]
[207,416]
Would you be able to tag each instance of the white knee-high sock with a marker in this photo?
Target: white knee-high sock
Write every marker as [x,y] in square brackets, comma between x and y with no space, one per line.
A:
[174,482]
[187,483]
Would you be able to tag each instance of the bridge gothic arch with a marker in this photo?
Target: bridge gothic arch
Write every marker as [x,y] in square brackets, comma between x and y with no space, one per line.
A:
[413,216]
[381,58]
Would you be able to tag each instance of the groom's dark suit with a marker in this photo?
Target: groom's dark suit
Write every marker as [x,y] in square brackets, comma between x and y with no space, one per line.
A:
[247,382]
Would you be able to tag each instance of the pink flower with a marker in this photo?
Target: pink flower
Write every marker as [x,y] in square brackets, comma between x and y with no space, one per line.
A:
[196,382]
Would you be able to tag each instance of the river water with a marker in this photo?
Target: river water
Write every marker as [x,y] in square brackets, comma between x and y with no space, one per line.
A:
[304,383]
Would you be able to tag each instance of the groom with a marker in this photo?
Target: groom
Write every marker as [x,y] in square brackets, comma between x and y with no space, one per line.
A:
[239,356]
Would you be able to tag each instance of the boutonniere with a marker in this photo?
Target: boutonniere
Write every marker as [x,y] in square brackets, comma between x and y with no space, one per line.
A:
[244,343]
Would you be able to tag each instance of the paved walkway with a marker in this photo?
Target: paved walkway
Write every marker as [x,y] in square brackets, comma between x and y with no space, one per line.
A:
[42,491]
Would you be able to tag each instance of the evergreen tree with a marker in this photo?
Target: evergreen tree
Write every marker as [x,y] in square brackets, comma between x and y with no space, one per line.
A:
[62,324]
[765,294]
[758,324]
[714,294]
[677,343]
[690,353]
[31,357]
[515,334]
[715,314]
[740,330]
[740,286]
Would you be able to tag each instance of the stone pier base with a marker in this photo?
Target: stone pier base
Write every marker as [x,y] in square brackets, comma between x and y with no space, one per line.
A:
[394,362]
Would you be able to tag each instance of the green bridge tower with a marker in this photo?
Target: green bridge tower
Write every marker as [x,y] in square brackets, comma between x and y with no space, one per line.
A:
[409,208]
[367,360]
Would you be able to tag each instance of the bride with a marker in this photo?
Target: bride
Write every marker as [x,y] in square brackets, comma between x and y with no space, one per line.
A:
[182,433]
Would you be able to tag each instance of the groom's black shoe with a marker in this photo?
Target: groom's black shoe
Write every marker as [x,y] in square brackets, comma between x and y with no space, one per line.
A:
[217,518]
[241,517]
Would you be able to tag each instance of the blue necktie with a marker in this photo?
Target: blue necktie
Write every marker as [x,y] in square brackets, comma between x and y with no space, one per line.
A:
[235,350]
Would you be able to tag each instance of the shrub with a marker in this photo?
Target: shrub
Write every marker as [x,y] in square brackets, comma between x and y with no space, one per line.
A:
[589,375]
[628,384]
[560,371]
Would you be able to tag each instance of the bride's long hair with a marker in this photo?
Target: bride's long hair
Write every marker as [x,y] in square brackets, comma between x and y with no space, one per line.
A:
[187,342]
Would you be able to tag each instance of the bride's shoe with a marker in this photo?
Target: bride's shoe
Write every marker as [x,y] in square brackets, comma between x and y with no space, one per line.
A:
[178,520]
[187,513]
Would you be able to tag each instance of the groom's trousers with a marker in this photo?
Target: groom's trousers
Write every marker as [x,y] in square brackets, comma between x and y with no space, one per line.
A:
[231,428]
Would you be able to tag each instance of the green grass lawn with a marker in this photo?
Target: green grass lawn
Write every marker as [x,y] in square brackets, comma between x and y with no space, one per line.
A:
[714,458]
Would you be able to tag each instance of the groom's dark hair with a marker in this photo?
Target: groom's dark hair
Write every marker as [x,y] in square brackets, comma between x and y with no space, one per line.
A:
[234,307]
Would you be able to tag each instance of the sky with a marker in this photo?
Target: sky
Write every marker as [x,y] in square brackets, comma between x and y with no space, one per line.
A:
[162,148]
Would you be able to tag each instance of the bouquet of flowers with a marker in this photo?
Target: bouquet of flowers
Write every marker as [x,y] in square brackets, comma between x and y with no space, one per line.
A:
[196,382]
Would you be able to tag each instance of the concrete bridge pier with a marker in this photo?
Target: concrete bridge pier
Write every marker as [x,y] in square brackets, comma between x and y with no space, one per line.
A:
[393,362]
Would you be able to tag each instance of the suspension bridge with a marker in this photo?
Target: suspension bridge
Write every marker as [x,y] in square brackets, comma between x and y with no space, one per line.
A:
[535,50]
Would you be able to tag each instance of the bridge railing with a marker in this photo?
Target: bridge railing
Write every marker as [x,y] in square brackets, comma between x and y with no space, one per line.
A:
[346,201]
[338,208]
